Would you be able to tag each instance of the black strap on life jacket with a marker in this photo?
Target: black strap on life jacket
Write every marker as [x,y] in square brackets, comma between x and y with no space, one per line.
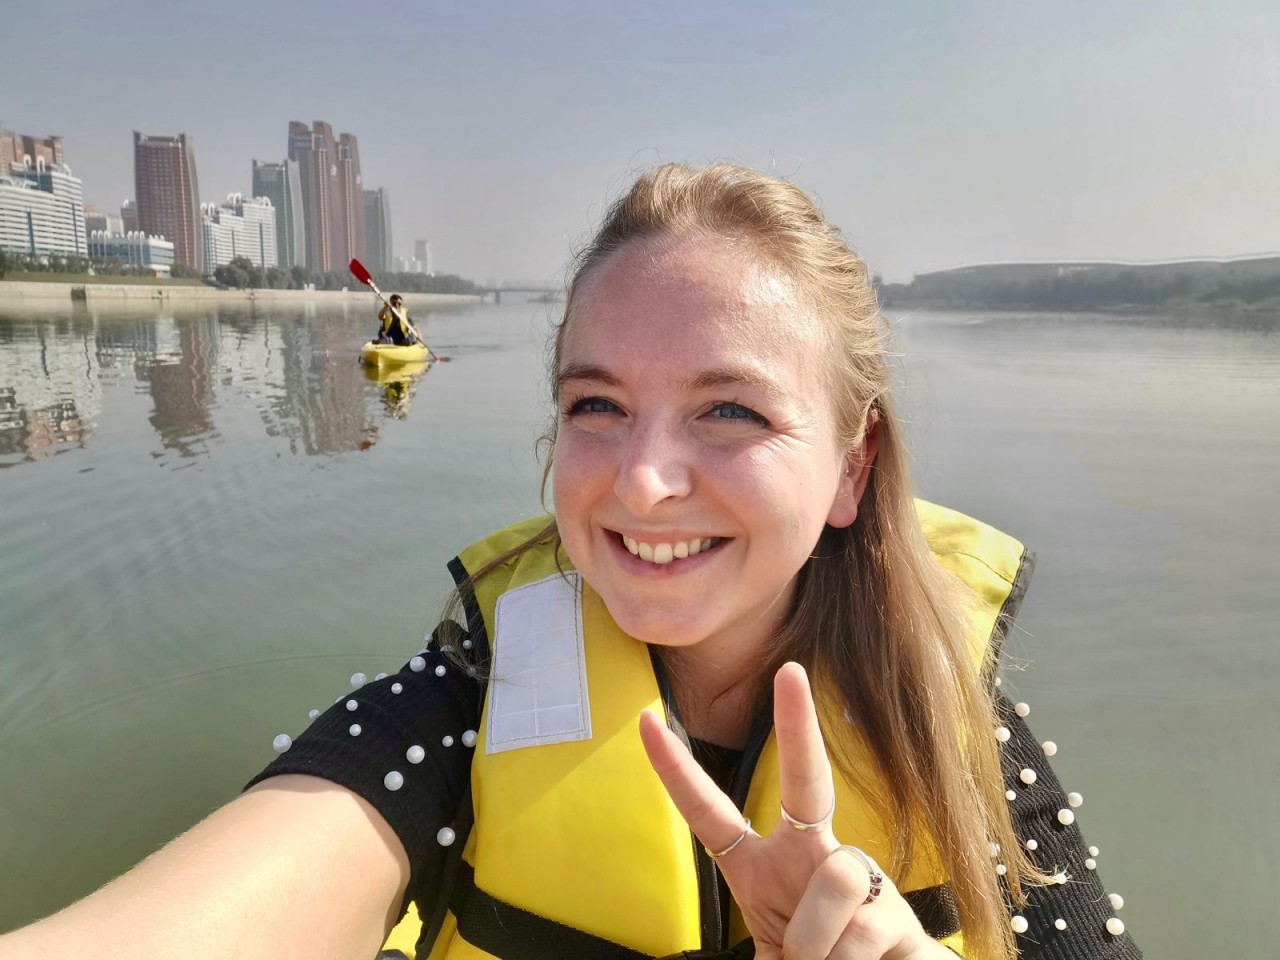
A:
[513,933]
[935,908]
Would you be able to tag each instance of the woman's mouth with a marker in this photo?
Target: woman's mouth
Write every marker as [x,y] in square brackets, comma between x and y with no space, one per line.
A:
[668,551]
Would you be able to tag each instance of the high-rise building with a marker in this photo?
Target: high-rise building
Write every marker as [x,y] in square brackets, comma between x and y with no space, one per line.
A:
[282,185]
[350,226]
[422,253]
[239,228]
[42,210]
[168,195]
[332,202]
[16,147]
[377,225]
[129,216]
[315,152]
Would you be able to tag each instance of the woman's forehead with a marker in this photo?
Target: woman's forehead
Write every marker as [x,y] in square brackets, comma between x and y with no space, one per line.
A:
[709,286]
[691,319]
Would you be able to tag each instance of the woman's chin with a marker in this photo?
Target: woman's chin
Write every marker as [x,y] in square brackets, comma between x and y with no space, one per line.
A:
[661,631]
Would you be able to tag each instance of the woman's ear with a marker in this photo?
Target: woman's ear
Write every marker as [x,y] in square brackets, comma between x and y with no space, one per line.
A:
[857,473]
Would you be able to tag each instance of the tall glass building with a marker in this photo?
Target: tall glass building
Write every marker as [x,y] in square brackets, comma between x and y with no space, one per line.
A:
[377,226]
[281,183]
[332,200]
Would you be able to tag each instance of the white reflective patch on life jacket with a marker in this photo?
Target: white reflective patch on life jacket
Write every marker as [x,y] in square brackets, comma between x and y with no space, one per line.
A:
[538,685]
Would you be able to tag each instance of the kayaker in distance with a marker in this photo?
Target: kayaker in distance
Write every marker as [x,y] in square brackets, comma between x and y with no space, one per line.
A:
[394,325]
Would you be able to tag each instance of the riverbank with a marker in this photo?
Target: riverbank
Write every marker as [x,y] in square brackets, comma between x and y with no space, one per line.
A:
[1213,311]
[13,292]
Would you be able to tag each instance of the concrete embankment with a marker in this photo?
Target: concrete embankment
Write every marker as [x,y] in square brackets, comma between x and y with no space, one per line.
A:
[12,291]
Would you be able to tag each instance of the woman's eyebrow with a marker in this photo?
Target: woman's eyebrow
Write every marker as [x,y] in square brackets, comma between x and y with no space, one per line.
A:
[718,377]
[734,376]
[587,371]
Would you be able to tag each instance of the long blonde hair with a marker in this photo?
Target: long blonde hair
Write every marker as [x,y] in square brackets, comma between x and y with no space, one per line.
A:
[876,620]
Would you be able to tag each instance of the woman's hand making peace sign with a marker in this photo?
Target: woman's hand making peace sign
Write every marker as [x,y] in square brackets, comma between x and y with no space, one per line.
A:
[801,893]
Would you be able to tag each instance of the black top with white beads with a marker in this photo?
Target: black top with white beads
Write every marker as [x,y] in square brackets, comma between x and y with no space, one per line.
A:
[429,704]
[404,743]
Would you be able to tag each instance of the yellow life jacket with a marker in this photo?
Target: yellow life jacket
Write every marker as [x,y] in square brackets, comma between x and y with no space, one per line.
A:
[571,823]
[392,324]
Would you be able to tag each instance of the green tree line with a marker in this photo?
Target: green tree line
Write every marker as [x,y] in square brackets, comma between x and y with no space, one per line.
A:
[12,262]
[241,274]
[1090,287]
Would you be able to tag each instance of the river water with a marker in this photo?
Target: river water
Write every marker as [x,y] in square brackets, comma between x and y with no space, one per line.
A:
[211,519]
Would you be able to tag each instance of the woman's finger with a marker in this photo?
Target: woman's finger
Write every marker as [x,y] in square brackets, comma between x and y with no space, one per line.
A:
[715,821]
[836,890]
[803,768]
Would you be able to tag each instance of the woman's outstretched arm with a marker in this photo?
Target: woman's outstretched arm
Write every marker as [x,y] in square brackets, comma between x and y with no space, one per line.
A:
[295,867]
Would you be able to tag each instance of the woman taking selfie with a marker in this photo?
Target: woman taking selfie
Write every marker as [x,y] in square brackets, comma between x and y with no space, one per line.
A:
[736,695]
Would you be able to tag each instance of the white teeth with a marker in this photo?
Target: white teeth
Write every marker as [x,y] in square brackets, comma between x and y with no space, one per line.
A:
[664,553]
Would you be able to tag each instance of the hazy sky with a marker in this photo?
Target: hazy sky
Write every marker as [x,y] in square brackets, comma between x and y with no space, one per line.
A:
[934,133]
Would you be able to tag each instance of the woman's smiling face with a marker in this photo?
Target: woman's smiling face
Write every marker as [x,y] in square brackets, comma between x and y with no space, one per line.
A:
[696,458]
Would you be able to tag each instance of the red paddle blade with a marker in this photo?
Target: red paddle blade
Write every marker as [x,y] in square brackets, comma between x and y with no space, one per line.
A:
[361,274]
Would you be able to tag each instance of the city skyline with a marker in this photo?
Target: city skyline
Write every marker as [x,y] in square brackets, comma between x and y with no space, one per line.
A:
[935,135]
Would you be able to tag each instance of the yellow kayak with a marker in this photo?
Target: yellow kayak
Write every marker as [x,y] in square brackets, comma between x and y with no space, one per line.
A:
[384,354]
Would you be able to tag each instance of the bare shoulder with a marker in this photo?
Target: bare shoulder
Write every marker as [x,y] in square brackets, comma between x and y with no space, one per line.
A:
[295,866]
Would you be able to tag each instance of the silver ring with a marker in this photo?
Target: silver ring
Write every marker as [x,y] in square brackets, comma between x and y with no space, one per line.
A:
[746,829]
[877,876]
[817,824]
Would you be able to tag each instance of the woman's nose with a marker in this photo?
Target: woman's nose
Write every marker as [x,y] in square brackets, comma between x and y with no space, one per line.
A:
[654,468]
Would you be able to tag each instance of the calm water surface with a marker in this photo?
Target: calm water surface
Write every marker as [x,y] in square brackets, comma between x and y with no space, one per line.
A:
[211,519]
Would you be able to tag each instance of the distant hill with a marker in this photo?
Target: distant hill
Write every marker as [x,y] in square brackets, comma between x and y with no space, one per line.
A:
[1093,286]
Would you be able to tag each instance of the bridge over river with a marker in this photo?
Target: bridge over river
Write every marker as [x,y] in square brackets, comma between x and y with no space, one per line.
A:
[548,294]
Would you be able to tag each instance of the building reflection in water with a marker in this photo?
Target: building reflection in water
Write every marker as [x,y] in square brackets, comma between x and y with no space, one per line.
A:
[297,370]
[322,408]
[50,390]
[181,380]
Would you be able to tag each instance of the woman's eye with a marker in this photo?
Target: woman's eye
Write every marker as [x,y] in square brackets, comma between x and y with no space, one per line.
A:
[736,411]
[592,405]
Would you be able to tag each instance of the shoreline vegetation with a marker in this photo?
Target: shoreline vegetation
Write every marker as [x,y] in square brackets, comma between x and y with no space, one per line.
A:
[239,276]
[1240,286]
[24,278]
[101,293]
